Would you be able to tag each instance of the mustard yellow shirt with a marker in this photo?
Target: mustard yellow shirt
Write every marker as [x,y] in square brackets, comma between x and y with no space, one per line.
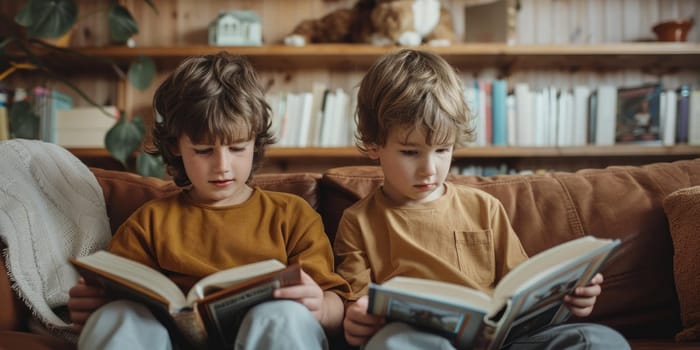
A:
[464,237]
[188,241]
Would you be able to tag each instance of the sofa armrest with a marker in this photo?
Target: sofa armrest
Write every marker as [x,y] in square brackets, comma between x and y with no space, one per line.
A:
[13,314]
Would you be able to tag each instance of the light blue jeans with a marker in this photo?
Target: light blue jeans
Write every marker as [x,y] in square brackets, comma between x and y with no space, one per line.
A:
[584,336]
[279,324]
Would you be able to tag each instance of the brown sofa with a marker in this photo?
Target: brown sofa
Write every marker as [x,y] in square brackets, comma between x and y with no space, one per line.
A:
[639,296]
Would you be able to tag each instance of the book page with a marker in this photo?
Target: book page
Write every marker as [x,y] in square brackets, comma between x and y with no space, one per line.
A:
[116,268]
[441,290]
[535,289]
[225,278]
[538,267]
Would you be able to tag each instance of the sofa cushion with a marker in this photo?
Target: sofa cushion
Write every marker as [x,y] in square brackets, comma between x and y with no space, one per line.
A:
[124,192]
[682,208]
[624,202]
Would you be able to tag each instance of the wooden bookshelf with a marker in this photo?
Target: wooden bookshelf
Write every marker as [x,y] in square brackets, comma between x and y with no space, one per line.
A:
[179,31]
[317,159]
[654,56]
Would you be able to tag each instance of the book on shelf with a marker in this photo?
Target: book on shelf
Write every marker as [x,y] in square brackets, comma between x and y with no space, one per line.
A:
[527,299]
[683,111]
[603,127]
[669,103]
[499,93]
[211,311]
[4,120]
[83,127]
[694,118]
[638,115]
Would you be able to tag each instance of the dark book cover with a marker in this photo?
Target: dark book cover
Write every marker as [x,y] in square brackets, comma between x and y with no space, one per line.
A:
[683,114]
[638,110]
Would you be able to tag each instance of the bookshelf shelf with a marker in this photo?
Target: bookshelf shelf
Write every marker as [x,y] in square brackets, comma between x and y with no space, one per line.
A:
[299,159]
[651,56]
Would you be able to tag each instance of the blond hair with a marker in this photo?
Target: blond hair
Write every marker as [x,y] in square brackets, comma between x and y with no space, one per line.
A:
[412,89]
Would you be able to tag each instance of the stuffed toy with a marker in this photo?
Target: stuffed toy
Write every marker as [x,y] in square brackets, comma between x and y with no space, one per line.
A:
[411,22]
[340,26]
[379,22]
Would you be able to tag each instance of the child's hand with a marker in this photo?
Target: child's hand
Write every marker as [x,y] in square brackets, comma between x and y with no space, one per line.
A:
[83,301]
[308,293]
[358,324]
[582,300]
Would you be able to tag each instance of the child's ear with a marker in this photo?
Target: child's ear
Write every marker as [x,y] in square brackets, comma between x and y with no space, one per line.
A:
[175,150]
[373,151]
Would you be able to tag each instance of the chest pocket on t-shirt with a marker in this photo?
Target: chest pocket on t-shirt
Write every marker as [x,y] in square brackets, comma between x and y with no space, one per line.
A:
[475,254]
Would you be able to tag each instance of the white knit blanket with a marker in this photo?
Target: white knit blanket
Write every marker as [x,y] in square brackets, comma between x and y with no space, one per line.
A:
[51,208]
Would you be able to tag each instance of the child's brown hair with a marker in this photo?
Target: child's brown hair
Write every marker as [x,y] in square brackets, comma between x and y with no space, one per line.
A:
[210,98]
[416,90]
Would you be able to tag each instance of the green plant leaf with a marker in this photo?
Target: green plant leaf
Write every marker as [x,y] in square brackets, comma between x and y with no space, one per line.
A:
[24,123]
[121,24]
[47,18]
[152,5]
[124,138]
[24,16]
[141,72]
[150,165]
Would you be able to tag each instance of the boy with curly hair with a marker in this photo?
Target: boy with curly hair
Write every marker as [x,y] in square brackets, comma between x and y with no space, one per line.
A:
[212,128]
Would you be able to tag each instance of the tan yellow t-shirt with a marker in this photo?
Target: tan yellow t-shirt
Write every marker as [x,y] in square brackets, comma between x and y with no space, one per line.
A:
[187,241]
[464,237]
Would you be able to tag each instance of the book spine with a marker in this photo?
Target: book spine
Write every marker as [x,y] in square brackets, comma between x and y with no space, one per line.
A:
[191,327]
[484,338]
[683,114]
[498,104]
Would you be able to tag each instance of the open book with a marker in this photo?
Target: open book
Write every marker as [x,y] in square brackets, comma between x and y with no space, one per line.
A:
[527,299]
[210,313]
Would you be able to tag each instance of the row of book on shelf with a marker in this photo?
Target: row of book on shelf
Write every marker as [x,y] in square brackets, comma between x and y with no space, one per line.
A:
[53,118]
[605,115]
[503,116]
[515,116]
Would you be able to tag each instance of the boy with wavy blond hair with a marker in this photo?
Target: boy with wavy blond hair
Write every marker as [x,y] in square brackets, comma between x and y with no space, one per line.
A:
[411,116]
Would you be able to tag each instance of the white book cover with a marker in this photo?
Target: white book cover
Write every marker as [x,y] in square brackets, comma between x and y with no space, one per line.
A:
[342,103]
[580,115]
[541,117]
[84,126]
[669,102]
[523,115]
[565,118]
[293,118]
[329,121]
[318,91]
[606,115]
[305,105]
[553,116]
[694,118]
[511,115]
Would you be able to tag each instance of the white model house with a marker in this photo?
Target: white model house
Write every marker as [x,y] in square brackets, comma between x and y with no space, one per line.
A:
[236,28]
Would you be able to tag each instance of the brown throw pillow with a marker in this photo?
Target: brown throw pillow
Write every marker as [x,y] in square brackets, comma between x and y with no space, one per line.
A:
[682,208]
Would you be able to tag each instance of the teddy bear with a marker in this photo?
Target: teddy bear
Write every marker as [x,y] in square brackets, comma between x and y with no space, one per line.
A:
[379,22]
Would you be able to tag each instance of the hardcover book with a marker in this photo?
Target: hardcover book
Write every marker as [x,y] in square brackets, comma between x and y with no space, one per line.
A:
[638,115]
[526,300]
[211,312]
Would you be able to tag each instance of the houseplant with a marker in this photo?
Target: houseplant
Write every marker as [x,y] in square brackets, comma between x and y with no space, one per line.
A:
[29,41]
